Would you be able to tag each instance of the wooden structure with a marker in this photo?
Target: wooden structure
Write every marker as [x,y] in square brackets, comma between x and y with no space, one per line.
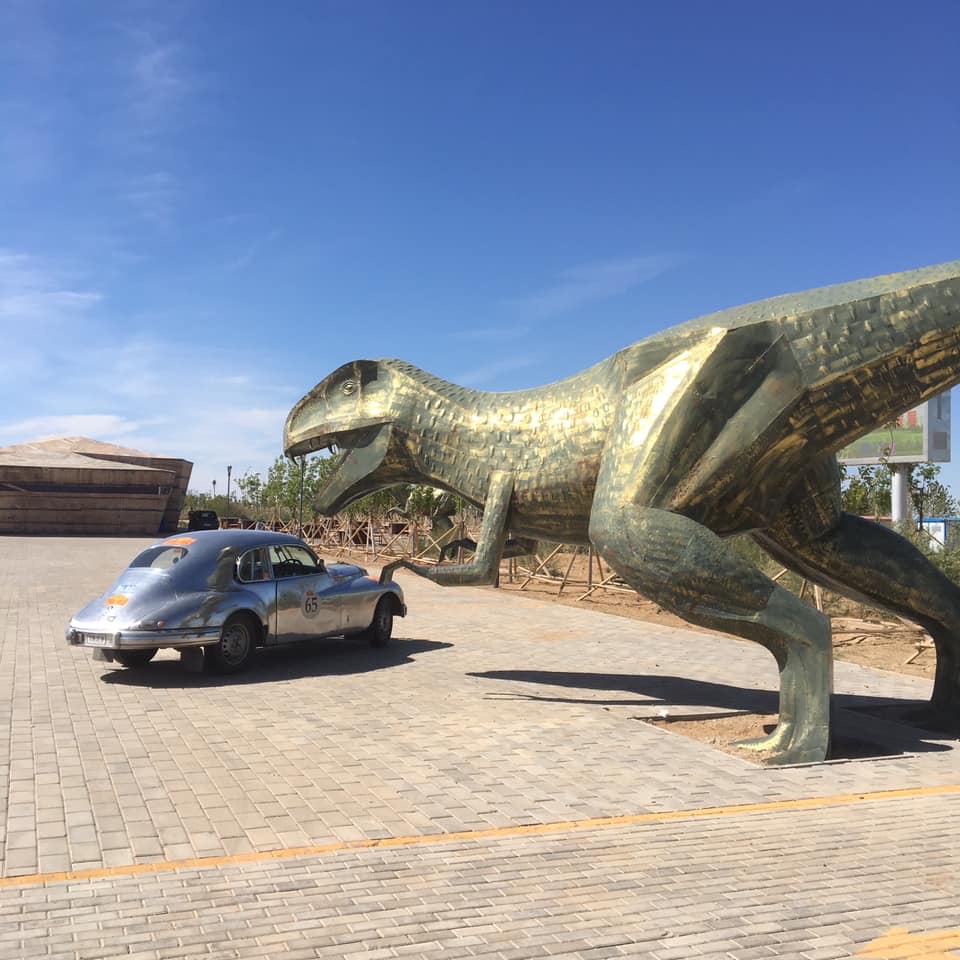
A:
[384,539]
[564,566]
[74,485]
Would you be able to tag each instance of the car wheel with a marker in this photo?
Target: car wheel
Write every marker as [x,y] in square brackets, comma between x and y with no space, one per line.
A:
[378,633]
[232,652]
[135,658]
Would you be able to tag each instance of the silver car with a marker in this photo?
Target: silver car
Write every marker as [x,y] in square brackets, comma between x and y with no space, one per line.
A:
[229,592]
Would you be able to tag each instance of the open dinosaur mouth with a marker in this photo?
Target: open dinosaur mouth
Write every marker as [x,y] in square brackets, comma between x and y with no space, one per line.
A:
[339,444]
[357,457]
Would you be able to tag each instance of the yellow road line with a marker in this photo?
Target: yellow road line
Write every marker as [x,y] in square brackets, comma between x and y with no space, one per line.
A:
[518,830]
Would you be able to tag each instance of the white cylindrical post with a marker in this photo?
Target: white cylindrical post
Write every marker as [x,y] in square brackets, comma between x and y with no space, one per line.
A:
[899,493]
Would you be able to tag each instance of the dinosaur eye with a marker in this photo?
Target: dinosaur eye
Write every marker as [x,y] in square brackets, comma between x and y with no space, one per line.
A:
[349,386]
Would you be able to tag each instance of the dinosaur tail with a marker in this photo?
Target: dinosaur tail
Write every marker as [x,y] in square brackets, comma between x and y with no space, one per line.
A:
[893,344]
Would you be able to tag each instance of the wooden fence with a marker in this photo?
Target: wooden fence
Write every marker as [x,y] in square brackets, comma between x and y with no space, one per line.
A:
[566,567]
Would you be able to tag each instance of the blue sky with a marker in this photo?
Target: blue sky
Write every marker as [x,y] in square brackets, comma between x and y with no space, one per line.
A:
[205,207]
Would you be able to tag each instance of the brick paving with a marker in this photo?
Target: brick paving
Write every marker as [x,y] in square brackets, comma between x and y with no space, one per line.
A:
[488,712]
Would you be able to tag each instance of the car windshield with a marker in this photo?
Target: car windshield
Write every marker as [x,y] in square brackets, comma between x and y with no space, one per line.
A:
[161,557]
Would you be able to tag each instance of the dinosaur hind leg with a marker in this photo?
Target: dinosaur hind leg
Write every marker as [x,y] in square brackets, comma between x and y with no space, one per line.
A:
[689,570]
[866,561]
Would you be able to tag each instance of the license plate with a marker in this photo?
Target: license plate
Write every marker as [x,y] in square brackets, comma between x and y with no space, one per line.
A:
[96,640]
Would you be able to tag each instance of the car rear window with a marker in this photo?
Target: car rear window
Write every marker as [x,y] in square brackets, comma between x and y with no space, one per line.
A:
[161,557]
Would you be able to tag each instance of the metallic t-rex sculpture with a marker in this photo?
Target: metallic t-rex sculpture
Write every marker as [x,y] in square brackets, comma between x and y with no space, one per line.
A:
[722,425]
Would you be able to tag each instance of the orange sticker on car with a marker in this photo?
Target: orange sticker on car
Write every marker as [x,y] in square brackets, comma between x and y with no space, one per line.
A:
[179,541]
[116,600]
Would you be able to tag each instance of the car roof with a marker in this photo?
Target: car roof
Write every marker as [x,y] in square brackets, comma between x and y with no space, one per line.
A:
[213,541]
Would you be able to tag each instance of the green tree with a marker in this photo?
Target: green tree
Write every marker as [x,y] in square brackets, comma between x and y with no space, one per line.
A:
[194,500]
[420,501]
[930,497]
[278,495]
[375,505]
[867,492]
[250,491]
[280,492]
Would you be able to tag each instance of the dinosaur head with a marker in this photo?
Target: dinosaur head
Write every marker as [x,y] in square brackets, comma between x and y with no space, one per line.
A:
[351,413]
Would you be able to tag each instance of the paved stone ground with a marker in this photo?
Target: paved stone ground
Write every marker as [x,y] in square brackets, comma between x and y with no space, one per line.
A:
[488,713]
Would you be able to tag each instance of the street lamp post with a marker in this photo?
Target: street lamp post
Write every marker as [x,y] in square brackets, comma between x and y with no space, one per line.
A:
[228,490]
[214,489]
[300,519]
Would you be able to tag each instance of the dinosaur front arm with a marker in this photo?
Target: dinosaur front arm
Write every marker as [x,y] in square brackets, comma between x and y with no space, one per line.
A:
[485,565]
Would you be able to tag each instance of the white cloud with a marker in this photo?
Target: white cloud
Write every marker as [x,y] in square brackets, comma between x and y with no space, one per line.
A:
[159,82]
[153,196]
[252,251]
[158,77]
[68,425]
[501,334]
[66,375]
[36,300]
[44,305]
[490,371]
[164,406]
[157,91]
[248,439]
[589,282]
[210,427]
[213,435]
[20,272]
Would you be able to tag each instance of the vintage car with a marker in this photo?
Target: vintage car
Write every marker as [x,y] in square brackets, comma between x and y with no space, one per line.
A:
[229,592]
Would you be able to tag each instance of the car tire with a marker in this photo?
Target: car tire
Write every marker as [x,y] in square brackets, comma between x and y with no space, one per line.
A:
[381,628]
[135,658]
[233,651]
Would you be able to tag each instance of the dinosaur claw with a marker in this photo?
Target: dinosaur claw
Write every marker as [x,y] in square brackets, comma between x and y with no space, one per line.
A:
[786,745]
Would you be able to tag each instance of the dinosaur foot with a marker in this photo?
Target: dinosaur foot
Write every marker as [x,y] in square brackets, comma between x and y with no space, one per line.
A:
[791,743]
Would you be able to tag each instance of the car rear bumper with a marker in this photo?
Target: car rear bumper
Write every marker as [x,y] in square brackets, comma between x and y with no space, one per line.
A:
[140,639]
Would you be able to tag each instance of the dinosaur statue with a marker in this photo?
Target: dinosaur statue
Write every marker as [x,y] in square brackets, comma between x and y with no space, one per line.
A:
[727,424]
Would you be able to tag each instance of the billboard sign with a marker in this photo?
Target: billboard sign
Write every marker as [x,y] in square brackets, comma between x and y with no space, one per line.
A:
[920,435]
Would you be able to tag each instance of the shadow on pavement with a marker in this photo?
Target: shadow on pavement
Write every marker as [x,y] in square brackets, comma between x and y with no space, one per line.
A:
[862,726]
[318,658]
[646,690]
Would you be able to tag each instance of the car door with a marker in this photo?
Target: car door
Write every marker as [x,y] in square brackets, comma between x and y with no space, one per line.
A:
[253,571]
[308,603]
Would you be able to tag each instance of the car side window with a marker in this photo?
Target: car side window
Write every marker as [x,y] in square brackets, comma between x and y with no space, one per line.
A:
[252,566]
[292,560]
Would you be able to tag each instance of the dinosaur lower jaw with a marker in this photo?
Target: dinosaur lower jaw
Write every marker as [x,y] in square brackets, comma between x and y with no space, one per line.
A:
[354,470]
